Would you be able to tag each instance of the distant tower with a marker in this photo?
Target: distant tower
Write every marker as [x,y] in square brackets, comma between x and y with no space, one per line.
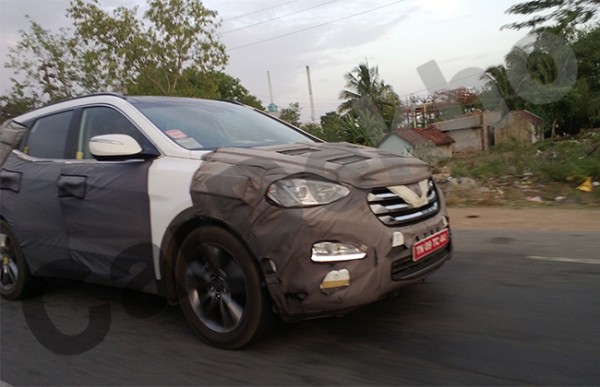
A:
[272,108]
[310,94]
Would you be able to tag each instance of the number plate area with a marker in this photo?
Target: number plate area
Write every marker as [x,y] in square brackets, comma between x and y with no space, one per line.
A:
[430,244]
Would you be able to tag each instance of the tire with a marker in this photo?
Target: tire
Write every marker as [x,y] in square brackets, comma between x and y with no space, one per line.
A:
[15,279]
[219,289]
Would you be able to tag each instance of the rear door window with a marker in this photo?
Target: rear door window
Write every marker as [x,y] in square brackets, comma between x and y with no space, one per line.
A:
[48,137]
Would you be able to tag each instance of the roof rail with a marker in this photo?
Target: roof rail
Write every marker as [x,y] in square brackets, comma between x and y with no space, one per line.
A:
[233,101]
[119,95]
[106,93]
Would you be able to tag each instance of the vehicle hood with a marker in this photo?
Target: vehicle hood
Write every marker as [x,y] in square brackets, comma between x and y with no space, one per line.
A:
[359,166]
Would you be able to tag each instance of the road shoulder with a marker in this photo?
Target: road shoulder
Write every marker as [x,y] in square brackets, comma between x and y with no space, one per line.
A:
[535,219]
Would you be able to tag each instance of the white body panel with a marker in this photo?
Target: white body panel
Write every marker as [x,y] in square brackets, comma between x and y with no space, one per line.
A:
[169,181]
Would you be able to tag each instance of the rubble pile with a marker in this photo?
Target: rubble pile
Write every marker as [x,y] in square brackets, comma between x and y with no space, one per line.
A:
[509,189]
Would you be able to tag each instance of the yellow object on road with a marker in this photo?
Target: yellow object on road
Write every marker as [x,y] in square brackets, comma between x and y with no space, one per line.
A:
[586,186]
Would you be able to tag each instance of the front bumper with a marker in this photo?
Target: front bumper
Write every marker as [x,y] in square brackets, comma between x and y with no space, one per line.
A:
[301,288]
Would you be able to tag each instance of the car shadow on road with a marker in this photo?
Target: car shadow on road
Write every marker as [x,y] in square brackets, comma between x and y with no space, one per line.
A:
[69,306]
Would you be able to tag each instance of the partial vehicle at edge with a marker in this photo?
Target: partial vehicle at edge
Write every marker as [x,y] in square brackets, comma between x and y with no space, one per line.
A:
[222,208]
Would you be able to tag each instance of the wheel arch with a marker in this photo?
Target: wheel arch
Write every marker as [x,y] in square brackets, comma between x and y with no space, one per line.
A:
[180,227]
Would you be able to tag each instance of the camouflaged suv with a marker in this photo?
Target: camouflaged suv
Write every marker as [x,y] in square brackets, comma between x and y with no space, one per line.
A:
[219,207]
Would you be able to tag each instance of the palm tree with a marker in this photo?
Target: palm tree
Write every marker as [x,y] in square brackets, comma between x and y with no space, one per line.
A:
[364,90]
[498,81]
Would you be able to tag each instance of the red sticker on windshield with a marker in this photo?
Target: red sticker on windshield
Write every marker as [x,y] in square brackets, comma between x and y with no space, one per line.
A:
[176,134]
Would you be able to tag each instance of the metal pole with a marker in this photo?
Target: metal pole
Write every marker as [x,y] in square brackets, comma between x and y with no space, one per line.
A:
[270,88]
[310,94]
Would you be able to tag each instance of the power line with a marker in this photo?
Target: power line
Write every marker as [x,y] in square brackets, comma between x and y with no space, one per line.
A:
[278,17]
[260,10]
[315,26]
[326,102]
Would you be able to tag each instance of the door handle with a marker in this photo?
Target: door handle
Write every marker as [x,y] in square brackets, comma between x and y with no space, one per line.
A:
[10,180]
[71,185]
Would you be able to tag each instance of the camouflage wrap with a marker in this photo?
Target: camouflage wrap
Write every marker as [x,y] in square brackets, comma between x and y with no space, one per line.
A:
[231,187]
[11,134]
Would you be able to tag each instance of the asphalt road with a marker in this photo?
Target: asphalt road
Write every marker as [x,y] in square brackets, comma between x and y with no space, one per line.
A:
[511,308]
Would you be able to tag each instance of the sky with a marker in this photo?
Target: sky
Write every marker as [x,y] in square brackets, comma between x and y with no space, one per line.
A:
[457,39]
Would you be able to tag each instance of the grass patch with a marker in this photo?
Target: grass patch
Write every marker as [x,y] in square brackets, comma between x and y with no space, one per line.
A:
[564,161]
[542,174]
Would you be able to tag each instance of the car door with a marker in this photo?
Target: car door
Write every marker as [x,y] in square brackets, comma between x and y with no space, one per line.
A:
[29,201]
[105,205]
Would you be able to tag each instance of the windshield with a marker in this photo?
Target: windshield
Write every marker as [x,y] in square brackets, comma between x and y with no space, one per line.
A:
[206,124]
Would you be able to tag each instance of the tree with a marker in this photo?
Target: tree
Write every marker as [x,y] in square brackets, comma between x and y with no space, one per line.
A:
[291,114]
[314,129]
[364,90]
[556,15]
[366,128]
[556,76]
[370,107]
[180,34]
[543,74]
[15,104]
[332,127]
[231,88]
[45,67]
[498,87]
[173,51]
[192,83]
[587,51]
[556,81]
[203,84]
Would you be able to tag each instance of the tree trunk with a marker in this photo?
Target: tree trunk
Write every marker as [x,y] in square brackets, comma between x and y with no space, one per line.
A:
[553,133]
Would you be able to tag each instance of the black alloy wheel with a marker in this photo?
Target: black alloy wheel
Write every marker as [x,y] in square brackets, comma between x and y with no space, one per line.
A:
[219,288]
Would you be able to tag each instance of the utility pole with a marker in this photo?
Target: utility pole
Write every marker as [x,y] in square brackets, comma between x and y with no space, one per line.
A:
[310,94]
[272,108]
[270,88]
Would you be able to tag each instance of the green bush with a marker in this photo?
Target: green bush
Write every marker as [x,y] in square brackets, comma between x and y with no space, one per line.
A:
[549,161]
[566,161]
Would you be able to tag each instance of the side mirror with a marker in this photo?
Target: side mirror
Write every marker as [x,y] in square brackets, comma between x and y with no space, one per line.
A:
[114,145]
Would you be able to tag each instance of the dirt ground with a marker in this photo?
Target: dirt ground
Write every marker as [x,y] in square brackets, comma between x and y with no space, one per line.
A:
[536,219]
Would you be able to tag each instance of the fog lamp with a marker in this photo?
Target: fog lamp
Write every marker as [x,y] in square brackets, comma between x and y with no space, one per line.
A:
[335,252]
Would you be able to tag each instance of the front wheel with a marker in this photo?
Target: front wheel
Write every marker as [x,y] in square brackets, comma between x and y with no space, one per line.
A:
[219,288]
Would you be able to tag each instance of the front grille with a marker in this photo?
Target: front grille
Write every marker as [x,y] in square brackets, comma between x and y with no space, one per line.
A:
[405,268]
[392,210]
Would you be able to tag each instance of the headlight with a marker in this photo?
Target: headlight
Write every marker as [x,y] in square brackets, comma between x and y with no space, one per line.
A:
[298,192]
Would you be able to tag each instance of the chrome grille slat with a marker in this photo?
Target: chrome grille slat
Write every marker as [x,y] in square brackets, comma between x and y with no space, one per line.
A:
[392,210]
[379,209]
[395,220]
[373,197]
